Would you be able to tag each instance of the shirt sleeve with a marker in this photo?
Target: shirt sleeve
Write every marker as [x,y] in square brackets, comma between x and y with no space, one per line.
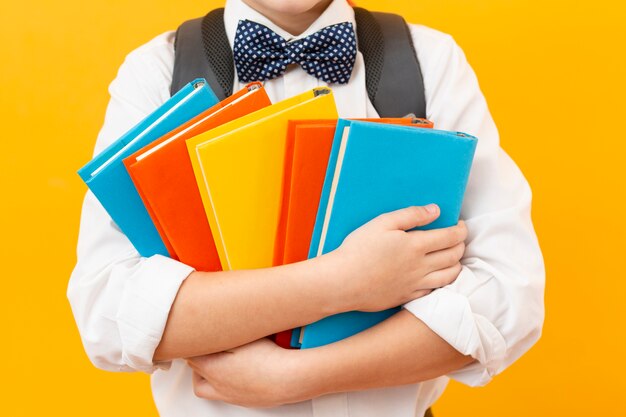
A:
[119,299]
[494,310]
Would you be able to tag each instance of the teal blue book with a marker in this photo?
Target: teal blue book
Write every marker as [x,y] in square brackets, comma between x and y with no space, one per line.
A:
[295,337]
[107,178]
[376,168]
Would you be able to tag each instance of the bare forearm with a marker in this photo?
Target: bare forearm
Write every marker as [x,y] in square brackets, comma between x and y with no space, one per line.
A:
[401,350]
[376,267]
[221,310]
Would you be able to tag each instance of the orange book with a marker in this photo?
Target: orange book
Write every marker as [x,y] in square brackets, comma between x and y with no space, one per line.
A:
[306,156]
[164,178]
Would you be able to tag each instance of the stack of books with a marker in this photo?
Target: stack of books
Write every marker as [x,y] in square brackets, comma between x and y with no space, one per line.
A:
[244,183]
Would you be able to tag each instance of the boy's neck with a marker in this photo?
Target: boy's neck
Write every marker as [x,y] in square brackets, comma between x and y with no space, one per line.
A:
[294,23]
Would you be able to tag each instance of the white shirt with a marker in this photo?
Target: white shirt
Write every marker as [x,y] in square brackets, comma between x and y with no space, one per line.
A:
[493,311]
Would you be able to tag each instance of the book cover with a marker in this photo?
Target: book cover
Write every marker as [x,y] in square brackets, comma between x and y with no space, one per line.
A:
[239,169]
[377,168]
[107,178]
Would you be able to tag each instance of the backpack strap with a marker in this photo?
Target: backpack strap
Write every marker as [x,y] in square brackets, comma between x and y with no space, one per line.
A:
[392,71]
[202,50]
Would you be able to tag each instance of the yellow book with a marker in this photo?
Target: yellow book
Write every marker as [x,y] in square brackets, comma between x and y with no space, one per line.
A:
[239,171]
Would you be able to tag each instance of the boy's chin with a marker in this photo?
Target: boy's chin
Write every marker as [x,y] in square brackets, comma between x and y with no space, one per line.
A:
[286,7]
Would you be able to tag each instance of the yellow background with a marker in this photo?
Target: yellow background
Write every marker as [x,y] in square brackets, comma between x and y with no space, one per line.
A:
[553,73]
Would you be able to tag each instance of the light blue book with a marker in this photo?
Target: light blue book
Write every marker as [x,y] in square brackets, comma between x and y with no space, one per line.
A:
[376,168]
[107,178]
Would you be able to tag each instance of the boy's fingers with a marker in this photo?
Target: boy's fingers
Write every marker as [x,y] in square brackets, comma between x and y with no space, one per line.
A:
[410,217]
[203,389]
[419,294]
[442,277]
[195,368]
[439,239]
[445,258]
[198,361]
[202,364]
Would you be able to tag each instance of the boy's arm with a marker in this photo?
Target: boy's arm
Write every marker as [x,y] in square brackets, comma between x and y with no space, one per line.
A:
[374,267]
[401,350]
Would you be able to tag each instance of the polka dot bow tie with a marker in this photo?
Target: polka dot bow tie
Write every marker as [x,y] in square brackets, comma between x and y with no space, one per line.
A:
[260,54]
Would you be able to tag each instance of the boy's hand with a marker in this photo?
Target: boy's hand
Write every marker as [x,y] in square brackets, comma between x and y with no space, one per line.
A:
[259,374]
[384,266]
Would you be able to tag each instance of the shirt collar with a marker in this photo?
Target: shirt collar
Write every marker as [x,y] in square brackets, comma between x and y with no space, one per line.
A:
[338,11]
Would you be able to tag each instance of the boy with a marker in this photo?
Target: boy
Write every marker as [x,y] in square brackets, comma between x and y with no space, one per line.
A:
[147,313]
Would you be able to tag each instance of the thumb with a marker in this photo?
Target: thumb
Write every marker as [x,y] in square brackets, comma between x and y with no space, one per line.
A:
[410,217]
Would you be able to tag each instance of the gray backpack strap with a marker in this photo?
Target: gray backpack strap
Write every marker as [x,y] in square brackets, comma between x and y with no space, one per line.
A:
[202,50]
[393,74]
